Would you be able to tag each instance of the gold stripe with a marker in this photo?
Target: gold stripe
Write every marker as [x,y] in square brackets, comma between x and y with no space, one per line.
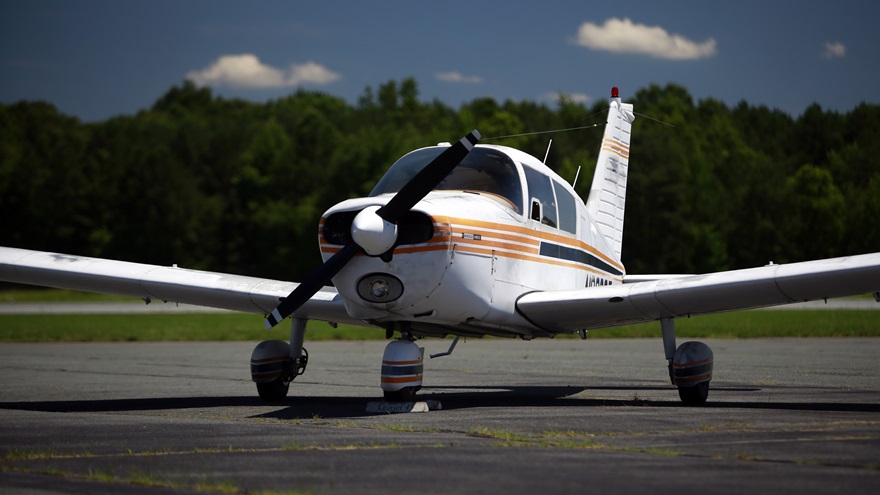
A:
[503,254]
[531,233]
[507,232]
[695,363]
[410,379]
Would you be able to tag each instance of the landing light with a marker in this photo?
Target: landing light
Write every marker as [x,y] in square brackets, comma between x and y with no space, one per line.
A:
[380,288]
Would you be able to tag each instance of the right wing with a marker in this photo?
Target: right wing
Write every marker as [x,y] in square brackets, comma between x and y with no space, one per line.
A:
[162,283]
[675,296]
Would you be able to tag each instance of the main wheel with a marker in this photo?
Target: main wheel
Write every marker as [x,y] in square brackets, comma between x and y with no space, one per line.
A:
[696,395]
[273,391]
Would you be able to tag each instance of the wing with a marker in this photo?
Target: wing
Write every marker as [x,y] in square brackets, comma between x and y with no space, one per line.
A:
[596,307]
[161,283]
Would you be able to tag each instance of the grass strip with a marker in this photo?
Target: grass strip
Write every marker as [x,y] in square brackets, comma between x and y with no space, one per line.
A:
[162,327]
[248,327]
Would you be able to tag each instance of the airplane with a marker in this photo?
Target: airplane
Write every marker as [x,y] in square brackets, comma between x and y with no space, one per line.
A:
[469,240]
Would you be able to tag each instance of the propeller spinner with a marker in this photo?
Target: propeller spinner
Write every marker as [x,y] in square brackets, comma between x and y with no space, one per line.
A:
[374,229]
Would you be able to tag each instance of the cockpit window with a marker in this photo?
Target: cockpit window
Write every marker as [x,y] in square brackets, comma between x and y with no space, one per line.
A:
[567,209]
[485,171]
[541,194]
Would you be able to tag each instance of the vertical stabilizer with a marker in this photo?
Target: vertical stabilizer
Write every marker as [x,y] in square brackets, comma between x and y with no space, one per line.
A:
[608,193]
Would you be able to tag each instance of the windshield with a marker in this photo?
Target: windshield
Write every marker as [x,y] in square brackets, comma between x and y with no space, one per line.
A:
[483,170]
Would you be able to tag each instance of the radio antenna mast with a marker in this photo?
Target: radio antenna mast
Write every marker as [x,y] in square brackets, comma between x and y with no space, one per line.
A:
[548,151]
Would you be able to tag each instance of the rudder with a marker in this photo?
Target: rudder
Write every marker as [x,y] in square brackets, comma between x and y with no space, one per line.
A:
[607,200]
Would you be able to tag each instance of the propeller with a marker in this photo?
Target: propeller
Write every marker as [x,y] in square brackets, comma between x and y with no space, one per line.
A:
[374,229]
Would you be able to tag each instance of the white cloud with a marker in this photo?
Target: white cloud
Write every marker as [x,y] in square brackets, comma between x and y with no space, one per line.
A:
[623,36]
[310,72]
[246,71]
[458,77]
[834,50]
[554,97]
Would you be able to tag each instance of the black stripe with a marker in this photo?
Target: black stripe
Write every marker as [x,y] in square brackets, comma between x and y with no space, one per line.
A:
[266,368]
[578,256]
[701,369]
[416,369]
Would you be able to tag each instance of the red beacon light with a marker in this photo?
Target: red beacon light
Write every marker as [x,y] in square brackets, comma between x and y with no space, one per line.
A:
[615,93]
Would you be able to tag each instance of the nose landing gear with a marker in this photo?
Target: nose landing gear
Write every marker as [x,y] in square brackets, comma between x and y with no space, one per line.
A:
[402,369]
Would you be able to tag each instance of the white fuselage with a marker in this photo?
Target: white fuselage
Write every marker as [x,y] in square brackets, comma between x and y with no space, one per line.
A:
[485,252]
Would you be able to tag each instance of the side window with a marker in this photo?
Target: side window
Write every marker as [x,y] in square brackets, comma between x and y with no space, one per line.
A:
[540,189]
[567,211]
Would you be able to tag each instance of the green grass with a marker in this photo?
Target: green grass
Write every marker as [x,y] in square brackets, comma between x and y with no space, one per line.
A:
[760,324]
[163,327]
[38,294]
[249,327]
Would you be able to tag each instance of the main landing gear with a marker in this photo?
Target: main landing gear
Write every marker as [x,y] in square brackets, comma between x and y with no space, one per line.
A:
[275,363]
[690,366]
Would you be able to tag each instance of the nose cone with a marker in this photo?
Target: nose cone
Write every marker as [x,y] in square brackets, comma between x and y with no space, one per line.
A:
[372,233]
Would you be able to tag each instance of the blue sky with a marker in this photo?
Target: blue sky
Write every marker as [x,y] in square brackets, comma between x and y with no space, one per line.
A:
[97,59]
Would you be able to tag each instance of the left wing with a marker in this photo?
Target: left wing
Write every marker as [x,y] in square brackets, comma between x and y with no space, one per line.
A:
[163,283]
[572,310]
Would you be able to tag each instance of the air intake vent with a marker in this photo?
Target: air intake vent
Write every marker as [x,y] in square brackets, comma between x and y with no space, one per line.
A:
[413,228]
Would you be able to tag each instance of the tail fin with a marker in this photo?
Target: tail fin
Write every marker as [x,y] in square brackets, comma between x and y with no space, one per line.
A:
[607,199]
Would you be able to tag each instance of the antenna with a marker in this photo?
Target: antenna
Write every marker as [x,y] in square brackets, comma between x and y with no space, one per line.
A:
[548,151]
[576,175]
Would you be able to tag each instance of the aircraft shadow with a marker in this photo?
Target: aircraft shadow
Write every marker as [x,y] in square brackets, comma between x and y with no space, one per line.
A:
[452,398]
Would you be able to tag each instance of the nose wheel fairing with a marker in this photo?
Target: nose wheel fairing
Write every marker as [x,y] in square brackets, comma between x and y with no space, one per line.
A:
[402,370]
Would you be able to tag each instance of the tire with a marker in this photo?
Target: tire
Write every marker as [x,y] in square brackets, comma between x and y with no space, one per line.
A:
[273,391]
[696,395]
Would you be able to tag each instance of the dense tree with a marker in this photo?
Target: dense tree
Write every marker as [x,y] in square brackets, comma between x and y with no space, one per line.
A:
[231,185]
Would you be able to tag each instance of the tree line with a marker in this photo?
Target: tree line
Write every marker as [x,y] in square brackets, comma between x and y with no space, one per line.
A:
[231,185]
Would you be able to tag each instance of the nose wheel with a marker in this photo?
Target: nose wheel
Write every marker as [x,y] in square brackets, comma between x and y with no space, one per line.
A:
[402,370]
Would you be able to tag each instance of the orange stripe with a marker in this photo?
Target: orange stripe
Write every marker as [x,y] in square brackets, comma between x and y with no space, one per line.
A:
[490,252]
[269,360]
[261,376]
[701,378]
[615,143]
[532,233]
[412,379]
[497,235]
[422,249]
[508,233]
[610,150]
[695,363]
[398,250]
[500,245]
[503,254]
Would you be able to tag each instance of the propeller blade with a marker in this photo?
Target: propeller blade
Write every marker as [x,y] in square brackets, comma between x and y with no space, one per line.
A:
[428,178]
[312,284]
[411,193]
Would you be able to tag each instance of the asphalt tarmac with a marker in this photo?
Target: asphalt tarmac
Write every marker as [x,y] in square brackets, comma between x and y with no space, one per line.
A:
[557,416]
